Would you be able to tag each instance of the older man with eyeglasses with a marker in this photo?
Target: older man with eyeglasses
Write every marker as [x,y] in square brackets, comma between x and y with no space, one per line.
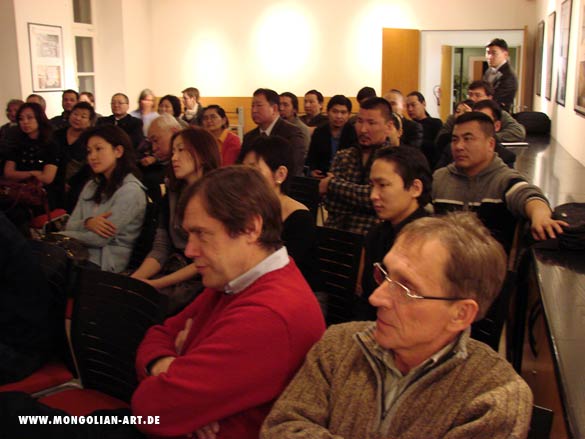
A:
[414,373]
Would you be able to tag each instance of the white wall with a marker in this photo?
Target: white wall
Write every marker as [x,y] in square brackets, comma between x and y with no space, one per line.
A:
[55,13]
[230,48]
[10,72]
[568,127]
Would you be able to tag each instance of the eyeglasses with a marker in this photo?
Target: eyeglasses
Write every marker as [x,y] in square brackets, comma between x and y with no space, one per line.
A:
[381,275]
[211,117]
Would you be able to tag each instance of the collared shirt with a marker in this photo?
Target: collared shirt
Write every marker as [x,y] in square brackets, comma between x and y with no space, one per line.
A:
[268,130]
[492,72]
[275,261]
[395,382]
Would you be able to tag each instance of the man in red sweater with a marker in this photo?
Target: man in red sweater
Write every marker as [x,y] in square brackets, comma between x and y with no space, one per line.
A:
[215,369]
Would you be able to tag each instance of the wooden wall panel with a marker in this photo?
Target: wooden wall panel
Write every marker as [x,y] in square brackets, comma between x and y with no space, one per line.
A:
[400,60]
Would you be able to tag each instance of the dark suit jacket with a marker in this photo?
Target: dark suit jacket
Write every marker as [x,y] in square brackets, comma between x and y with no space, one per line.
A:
[412,133]
[505,86]
[131,125]
[291,133]
[320,154]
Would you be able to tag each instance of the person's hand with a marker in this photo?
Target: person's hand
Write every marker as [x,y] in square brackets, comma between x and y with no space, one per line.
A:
[101,226]
[148,160]
[317,173]
[182,336]
[207,432]
[324,183]
[161,366]
[544,227]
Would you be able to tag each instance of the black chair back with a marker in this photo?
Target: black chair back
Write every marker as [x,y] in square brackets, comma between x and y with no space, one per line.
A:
[143,243]
[111,314]
[306,190]
[339,254]
[541,423]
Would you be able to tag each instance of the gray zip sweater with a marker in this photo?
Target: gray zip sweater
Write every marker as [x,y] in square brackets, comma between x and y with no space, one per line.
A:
[497,194]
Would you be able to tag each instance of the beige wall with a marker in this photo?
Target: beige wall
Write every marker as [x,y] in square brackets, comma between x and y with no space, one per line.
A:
[232,47]
[568,127]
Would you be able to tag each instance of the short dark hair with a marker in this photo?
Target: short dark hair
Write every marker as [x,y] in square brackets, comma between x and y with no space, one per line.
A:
[12,102]
[270,95]
[365,93]
[378,104]
[175,103]
[499,43]
[276,151]
[85,106]
[43,103]
[123,95]
[202,147]
[69,90]
[125,165]
[339,100]
[220,112]
[419,96]
[492,105]
[319,95]
[485,122]
[411,164]
[234,195]
[293,99]
[45,127]
[480,83]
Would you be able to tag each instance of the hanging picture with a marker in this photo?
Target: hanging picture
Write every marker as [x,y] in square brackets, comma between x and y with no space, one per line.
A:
[563,60]
[46,57]
[580,86]
[550,48]
[538,58]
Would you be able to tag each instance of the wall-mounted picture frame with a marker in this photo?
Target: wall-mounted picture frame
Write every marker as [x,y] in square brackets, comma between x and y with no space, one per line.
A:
[563,61]
[539,47]
[580,76]
[550,49]
[46,57]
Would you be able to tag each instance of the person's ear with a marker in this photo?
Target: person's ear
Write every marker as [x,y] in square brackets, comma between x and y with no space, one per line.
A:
[416,188]
[280,174]
[462,314]
[254,229]
[118,151]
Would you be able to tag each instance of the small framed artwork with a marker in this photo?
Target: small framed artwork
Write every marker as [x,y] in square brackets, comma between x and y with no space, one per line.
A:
[550,48]
[46,57]
[580,76]
[563,60]
[538,58]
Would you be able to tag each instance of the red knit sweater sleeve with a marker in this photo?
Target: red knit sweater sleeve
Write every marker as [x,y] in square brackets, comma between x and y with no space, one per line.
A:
[244,362]
[159,341]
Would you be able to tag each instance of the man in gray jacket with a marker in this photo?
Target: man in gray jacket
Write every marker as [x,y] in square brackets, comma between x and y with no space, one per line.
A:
[478,180]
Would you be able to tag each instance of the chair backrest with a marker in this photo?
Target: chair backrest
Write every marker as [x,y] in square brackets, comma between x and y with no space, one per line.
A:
[111,314]
[143,243]
[339,254]
[541,423]
[535,122]
[306,190]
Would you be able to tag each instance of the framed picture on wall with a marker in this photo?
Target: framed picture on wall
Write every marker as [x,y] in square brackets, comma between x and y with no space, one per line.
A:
[580,76]
[550,48]
[46,57]
[563,61]
[539,47]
